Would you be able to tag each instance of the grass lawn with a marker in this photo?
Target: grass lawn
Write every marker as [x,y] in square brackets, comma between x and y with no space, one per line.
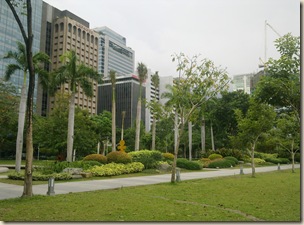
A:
[273,196]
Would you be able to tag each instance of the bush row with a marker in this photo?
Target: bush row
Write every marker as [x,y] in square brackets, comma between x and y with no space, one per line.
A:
[147,157]
[113,169]
[41,177]
[186,164]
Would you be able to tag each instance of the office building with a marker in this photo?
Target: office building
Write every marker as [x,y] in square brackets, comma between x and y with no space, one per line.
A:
[63,31]
[242,82]
[127,93]
[10,33]
[113,53]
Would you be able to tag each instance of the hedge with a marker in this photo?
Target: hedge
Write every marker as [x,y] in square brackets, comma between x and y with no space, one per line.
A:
[189,165]
[147,157]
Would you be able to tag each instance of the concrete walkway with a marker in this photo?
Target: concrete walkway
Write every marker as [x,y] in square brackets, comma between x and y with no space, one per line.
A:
[13,191]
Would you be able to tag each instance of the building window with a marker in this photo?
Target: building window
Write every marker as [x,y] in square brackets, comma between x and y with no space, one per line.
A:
[61,26]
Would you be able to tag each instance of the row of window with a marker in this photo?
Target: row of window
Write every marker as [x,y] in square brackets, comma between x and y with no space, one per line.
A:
[80,33]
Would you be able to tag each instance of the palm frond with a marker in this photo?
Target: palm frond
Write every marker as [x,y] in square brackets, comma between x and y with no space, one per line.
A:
[10,70]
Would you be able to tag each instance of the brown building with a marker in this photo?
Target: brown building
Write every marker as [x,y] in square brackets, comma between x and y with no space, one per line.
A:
[63,31]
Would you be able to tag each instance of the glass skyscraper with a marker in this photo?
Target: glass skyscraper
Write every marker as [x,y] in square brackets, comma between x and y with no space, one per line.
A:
[10,33]
[113,53]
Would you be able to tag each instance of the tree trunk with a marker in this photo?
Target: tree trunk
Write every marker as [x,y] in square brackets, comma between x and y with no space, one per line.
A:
[122,124]
[153,132]
[28,179]
[292,157]
[252,161]
[190,139]
[21,120]
[203,135]
[70,138]
[113,121]
[138,115]
[212,138]
[176,145]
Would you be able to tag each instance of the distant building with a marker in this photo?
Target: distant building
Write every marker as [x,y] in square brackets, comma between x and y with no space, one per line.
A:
[10,33]
[127,93]
[63,31]
[242,82]
[113,53]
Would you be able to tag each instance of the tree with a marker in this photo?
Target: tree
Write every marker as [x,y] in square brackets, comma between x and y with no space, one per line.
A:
[199,80]
[287,134]
[28,40]
[21,64]
[8,118]
[258,120]
[113,81]
[142,75]
[155,107]
[77,75]
[280,86]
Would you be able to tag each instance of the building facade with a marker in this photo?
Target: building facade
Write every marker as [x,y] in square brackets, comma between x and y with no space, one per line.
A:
[62,31]
[127,93]
[113,53]
[10,33]
[242,82]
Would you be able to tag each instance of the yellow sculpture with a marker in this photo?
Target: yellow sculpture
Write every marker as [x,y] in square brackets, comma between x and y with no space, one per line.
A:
[121,145]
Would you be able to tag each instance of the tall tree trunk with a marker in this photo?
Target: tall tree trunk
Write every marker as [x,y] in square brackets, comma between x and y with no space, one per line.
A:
[292,157]
[113,121]
[28,179]
[190,139]
[252,160]
[138,115]
[203,135]
[153,132]
[123,114]
[70,138]
[212,138]
[176,146]
[21,120]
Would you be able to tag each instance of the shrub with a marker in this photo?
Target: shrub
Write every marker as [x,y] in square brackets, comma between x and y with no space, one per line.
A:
[277,160]
[215,156]
[168,156]
[88,164]
[96,157]
[263,155]
[147,157]
[41,177]
[119,157]
[186,164]
[113,169]
[221,163]
[259,161]
[205,162]
[230,152]
[231,158]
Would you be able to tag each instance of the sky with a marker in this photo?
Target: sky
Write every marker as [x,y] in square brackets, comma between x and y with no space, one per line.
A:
[231,33]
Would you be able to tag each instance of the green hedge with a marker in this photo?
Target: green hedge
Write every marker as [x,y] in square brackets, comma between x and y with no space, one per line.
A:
[113,169]
[221,163]
[41,177]
[96,157]
[278,160]
[147,157]
[119,157]
[215,156]
[233,159]
[189,165]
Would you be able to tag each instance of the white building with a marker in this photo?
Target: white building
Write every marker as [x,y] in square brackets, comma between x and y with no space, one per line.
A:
[242,82]
[113,53]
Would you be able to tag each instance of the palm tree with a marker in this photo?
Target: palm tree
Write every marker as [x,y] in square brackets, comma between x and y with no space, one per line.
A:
[142,74]
[76,75]
[113,81]
[155,82]
[20,59]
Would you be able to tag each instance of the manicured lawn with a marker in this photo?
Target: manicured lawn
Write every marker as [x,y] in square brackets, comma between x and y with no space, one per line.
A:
[273,196]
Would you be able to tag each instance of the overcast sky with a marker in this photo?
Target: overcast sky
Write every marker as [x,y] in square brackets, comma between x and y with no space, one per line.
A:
[229,32]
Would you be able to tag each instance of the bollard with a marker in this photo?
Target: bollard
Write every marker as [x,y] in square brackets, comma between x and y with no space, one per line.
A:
[178,175]
[279,168]
[241,169]
[51,185]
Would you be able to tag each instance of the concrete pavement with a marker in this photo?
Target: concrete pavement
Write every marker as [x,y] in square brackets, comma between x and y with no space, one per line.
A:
[13,191]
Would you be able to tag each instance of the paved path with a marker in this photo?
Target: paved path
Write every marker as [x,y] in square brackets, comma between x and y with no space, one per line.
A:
[13,191]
